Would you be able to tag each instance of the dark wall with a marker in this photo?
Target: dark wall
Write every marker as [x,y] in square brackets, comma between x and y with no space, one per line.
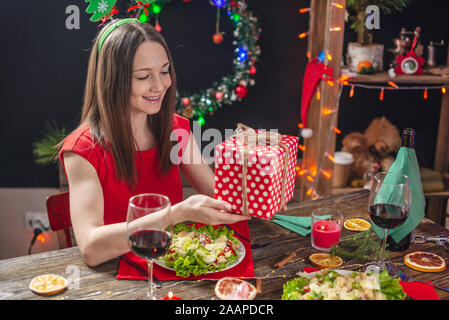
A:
[402,108]
[43,67]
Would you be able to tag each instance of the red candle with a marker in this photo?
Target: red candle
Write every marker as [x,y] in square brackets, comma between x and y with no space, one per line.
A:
[171,297]
[325,233]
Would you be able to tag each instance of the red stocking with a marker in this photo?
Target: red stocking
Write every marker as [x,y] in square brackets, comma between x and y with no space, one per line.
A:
[315,72]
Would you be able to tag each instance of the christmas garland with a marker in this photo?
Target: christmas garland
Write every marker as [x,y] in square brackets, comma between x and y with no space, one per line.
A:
[233,87]
[227,90]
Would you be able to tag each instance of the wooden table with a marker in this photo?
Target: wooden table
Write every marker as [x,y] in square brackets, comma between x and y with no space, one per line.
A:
[276,242]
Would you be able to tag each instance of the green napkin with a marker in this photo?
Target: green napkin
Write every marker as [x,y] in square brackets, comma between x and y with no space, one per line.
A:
[300,225]
[303,222]
[407,164]
[293,227]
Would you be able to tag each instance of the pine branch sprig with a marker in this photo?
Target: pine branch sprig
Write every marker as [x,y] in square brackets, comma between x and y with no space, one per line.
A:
[363,246]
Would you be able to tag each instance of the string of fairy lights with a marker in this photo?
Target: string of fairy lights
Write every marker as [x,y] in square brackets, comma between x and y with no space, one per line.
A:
[393,86]
[314,172]
[311,172]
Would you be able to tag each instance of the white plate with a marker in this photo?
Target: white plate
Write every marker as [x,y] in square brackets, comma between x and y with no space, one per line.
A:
[241,254]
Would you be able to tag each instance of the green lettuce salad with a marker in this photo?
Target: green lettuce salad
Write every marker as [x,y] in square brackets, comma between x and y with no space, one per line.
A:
[330,285]
[196,251]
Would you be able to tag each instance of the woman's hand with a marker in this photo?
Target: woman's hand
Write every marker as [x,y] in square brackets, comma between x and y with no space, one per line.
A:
[204,209]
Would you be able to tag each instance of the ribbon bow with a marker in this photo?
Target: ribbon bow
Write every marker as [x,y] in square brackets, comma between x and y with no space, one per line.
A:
[105,18]
[140,4]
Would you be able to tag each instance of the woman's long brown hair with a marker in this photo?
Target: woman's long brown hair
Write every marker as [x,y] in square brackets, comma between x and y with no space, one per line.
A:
[107,93]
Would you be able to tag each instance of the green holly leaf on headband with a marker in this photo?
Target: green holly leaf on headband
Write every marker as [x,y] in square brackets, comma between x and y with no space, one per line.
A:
[100,8]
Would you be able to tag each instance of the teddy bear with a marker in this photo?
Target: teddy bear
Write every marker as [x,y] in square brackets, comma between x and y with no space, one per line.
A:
[356,144]
[374,149]
[384,136]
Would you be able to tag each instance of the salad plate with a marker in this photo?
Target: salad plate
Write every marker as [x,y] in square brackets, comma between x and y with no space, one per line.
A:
[343,285]
[203,250]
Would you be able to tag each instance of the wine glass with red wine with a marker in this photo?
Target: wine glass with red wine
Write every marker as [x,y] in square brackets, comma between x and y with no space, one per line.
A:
[388,206]
[149,229]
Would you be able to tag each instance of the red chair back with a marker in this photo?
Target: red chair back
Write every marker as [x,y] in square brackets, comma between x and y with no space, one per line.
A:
[58,209]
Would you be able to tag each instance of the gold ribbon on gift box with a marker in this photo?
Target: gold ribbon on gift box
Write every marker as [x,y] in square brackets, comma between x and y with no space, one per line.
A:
[250,138]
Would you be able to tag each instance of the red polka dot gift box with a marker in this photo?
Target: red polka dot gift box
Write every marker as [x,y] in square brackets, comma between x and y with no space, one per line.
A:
[255,172]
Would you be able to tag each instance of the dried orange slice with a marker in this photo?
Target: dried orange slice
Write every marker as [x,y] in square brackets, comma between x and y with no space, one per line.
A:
[47,284]
[325,261]
[425,261]
[357,224]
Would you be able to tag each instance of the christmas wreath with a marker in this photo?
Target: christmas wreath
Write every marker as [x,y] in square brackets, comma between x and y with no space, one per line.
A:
[228,89]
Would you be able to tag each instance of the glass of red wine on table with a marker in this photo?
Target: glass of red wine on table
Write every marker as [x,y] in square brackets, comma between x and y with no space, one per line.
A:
[388,207]
[149,229]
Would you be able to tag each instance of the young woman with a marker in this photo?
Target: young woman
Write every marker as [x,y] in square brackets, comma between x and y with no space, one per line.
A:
[122,146]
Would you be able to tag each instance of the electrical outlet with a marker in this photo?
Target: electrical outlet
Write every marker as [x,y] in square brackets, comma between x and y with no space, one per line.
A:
[36,219]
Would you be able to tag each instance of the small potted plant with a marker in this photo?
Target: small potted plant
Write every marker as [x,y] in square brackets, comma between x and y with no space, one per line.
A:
[46,151]
[364,56]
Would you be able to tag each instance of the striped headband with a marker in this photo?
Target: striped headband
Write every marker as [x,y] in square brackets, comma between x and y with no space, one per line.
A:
[111,28]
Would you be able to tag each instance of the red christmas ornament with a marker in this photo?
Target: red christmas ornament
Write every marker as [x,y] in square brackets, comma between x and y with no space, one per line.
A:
[252,70]
[233,4]
[158,28]
[186,101]
[219,95]
[217,38]
[241,91]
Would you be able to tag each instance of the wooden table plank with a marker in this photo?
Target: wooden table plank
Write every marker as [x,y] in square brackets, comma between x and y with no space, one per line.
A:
[274,243]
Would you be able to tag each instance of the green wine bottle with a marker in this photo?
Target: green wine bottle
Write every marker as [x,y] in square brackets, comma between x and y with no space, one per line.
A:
[408,141]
